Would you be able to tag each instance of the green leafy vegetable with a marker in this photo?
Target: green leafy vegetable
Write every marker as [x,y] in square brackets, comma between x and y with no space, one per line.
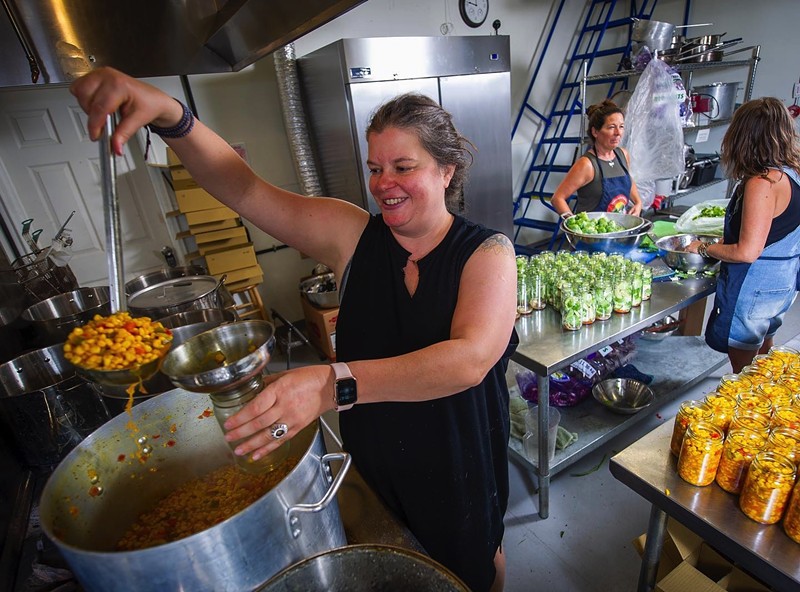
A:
[711,212]
[583,224]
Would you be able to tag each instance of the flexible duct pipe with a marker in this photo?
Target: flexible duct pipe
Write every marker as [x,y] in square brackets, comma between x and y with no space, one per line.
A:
[295,120]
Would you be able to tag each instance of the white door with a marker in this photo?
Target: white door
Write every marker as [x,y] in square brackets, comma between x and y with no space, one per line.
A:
[49,167]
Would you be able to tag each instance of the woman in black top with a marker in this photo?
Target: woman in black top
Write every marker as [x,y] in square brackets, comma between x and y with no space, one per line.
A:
[600,177]
[426,323]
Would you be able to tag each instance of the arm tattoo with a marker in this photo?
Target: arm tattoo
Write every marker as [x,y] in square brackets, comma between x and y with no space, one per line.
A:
[497,243]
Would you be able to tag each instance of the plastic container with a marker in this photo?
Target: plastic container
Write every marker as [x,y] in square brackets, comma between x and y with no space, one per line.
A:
[530,441]
[767,487]
[700,453]
[741,446]
[688,412]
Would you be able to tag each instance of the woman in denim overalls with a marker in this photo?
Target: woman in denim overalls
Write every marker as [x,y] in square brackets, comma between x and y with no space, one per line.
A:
[600,177]
[760,251]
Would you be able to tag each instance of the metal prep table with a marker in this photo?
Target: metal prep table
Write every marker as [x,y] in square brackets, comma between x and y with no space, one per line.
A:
[546,348]
[648,467]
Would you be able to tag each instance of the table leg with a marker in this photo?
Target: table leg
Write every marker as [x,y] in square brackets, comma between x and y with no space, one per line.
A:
[543,383]
[652,549]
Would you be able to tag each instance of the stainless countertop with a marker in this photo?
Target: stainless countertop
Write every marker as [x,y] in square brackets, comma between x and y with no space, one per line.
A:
[546,347]
[766,551]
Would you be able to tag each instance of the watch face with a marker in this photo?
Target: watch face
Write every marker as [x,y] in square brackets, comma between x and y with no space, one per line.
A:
[474,12]
[346,393]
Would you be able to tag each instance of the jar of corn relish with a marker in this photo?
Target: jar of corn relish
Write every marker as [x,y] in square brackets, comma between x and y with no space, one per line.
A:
[767,487]
[752,420]
[700,453]
[722,406]
[777,393]
[741,446]
[756,374]
[785,441]
[688,412]
[791,519]
[753,401]
[787,416]
[734,384]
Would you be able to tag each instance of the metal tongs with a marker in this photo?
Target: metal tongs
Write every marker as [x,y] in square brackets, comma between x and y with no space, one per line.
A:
[108,171]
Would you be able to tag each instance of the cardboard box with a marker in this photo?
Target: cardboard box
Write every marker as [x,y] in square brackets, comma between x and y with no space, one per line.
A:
[172,158]
[701,571]
[196,229]
[193,200]
[321,327]
[231,259]
[207,216]
[246,274]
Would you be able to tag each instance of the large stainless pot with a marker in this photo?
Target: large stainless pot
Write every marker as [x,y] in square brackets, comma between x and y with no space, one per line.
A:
[366,568]
[162,275]
[297,519]
[45,408]
[54,318]
[192,292]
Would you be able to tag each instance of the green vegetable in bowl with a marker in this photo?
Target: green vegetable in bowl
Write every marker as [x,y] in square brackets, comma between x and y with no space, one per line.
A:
[583,224]
[711,212]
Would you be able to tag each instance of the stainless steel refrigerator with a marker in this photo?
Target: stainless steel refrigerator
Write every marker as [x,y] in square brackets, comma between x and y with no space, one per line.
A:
[344,82]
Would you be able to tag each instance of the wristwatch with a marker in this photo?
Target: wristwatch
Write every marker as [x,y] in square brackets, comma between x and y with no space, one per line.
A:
[345,391]
[702,249]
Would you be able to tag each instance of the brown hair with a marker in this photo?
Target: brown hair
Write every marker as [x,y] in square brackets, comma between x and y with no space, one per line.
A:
[598,113]
[761,136]
[434,128]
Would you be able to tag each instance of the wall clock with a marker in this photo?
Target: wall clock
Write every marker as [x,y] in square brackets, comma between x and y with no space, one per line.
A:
[473,12]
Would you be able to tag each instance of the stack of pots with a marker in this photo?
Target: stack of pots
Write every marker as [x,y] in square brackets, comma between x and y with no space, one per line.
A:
[54,318]
[297,519]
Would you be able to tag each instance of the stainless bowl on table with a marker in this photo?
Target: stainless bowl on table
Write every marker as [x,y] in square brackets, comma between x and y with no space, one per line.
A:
[673,251]
[621,241]
[623,395]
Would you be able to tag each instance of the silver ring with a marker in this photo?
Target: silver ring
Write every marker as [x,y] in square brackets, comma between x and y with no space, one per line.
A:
[278,430]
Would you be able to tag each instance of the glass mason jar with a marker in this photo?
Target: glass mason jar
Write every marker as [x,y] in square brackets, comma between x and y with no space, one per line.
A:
[603,297]
[793,368]
[588,310]
[755,402]
[791,519]
[767,487]
[723,407]
[787,354]
[740,447]
[523,297]
[622,292]
[773,364]
[778,394]
[733,384]
[785,441]
[688,413]
[635,272]
[700,453]
[751,420]
[571,315]
[786,416]
[756,374]
[227,404]
[647,282]
[537,297]
[791,382]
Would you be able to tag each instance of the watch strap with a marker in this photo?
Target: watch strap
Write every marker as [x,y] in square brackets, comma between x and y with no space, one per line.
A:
[341,371]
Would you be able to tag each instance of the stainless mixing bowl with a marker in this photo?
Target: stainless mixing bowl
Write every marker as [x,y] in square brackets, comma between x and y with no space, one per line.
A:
[673,251]
[623,395]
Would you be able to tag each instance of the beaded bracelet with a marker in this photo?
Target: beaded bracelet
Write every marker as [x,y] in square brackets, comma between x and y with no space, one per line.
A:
[181,129]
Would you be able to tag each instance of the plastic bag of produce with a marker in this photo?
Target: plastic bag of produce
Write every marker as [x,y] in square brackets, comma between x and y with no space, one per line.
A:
[706,217]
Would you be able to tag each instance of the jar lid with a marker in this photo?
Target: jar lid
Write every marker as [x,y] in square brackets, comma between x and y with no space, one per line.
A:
[172,292]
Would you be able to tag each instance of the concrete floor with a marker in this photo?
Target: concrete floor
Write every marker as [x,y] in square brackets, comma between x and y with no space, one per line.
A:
[586,543]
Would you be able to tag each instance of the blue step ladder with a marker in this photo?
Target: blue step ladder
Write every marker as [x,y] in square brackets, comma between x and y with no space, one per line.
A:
[544,171]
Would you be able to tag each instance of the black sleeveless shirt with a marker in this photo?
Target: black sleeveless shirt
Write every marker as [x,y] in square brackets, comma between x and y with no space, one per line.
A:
[441,465]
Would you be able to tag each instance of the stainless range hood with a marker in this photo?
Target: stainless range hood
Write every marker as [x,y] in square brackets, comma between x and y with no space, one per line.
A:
[55,41]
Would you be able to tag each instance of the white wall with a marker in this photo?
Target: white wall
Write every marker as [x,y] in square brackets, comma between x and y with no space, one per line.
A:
[244,107]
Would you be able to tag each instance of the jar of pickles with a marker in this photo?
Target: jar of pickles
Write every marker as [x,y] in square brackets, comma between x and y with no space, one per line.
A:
[767,487]
[777,393]
[647,282]
[635,273]
[791,519]
[751,420]
[622,291]
[688,412]
[723,407]
[571,316]
[787,416]
[740,448]
[734,384]
[523,294]
[700,453]
[536,286]
[754,402]
[603,297]
[785,441]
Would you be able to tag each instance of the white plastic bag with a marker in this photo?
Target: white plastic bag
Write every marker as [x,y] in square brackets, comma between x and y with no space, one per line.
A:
[691,222]
[654,135]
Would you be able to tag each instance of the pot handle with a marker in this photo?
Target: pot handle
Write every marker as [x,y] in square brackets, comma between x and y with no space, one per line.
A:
[292,518]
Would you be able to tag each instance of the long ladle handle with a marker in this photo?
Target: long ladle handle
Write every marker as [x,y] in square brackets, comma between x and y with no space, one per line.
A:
[108,172]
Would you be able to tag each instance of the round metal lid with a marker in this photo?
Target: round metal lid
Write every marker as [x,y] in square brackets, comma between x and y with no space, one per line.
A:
[172,292]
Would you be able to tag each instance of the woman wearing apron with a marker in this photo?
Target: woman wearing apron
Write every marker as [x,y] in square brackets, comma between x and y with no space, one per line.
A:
[600,177]
[760,251]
